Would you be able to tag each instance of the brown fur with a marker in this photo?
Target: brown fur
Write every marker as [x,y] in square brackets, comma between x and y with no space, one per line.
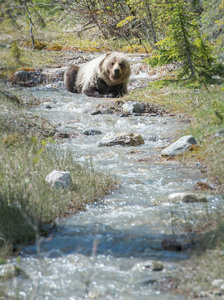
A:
[70,78]
[106,75]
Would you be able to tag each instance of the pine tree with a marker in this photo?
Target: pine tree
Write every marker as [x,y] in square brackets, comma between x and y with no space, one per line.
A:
[183,42]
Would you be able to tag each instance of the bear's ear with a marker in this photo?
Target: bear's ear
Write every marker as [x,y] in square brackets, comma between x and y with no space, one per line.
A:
[101,63]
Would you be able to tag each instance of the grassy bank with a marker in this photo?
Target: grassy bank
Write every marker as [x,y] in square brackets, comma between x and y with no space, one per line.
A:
[28,203]
[202,107]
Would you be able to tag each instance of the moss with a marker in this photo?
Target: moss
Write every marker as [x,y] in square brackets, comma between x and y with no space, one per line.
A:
[136,48]
[38,45]
[10,140]
[54,47]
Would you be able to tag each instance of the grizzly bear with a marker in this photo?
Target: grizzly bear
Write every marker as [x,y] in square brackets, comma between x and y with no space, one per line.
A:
[104,76]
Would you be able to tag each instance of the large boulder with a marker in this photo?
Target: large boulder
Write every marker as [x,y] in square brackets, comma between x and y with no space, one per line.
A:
[59,179]
[123,139]
[180,146]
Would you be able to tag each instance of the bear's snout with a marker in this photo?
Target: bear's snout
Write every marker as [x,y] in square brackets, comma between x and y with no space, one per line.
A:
[116,72]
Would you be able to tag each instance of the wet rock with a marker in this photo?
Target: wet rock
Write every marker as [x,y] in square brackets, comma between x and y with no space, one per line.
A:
[187,197]
[59,179]
[106,110]
[148,265]
[133,107]
[92,132]
[152,139]
[54,74]
[150,282]
[28,79]
[102,109]
[180,146]
[96,112]
[49,105]
[172,245]
[123,139]
[64,135]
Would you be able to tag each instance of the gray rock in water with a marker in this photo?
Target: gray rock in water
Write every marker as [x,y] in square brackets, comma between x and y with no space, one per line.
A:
[123,139]
[180,146]
[133,107]
[49,105]
[92,132]
[187,197]
[106,110]
[59,179]
[96,112]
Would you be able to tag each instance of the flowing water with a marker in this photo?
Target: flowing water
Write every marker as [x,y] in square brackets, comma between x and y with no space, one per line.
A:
[106,251]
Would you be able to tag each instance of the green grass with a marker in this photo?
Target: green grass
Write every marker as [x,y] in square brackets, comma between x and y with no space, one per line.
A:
[27,202]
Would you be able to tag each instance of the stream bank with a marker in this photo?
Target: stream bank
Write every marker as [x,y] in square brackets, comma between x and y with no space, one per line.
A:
[113,250]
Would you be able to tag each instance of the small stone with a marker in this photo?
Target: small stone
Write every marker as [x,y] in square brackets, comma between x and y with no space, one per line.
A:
[133,107]
[96,112]
[151,265]
[222,288]
[106,110]
[217,292]
[187,197]
[204,294]
[59,179]
[220,133]
[180,146]
[153,139]
[8,271]
[48,105]
[11,295]
[92,132]
[217,282]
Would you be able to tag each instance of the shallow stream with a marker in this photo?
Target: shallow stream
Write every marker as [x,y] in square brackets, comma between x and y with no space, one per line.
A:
[106,251]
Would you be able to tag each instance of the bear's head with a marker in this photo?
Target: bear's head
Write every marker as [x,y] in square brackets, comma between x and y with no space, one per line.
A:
[115,69]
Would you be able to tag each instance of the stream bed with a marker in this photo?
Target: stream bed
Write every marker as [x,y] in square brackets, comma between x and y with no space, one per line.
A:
[113,249]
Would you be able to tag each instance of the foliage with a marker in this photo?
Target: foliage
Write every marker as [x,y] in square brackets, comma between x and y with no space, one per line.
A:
[172,27]
[15,52]
[183,43]
[212,21]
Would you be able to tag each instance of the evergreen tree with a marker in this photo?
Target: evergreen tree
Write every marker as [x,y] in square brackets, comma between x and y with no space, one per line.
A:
[183,42]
